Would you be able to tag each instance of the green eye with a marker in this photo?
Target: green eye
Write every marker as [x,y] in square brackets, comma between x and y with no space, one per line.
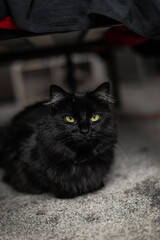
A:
[95,118]
[70,119]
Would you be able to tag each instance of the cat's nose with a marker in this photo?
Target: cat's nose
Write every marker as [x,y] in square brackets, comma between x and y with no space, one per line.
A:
[84,131]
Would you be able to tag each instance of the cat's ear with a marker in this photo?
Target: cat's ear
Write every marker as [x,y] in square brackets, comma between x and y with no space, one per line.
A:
[56,95]
[104,88]
[102,92]
[56,91]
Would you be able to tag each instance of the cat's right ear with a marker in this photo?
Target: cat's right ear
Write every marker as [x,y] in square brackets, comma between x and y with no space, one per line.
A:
[56,95]
[56,92]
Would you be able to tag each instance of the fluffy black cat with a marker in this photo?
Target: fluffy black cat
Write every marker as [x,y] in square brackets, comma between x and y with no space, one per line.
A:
[64,146]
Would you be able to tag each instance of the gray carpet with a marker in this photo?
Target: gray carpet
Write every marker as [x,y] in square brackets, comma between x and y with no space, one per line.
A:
[127,208]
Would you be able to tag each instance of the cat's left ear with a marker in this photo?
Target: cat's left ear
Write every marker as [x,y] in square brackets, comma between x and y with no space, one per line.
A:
[102,92]
[57,94]
[103,88]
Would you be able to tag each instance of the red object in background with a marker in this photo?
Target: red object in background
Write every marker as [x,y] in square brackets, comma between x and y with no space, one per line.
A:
[118,36]
[121,36]
[8,23]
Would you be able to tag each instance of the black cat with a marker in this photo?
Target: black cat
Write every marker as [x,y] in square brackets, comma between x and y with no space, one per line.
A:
[64,146]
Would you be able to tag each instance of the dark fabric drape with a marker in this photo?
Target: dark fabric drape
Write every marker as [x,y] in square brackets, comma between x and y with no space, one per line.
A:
[141,16]
[39,16]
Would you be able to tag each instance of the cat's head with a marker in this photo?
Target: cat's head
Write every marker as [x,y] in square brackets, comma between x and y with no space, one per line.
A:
[81,121]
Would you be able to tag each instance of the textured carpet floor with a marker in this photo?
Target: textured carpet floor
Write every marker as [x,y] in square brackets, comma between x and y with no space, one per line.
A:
[127,208]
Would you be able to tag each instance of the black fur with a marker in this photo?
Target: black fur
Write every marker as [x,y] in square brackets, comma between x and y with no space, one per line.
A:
[45,153]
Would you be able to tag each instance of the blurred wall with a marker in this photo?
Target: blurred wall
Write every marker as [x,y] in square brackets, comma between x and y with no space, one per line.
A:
[6,90]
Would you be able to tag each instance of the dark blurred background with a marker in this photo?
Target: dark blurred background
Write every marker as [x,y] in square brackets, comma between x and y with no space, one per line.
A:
[134,77]
[29,65]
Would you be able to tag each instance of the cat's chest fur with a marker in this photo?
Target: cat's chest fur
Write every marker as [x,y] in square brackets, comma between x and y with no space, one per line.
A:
[75,176]
[76,179]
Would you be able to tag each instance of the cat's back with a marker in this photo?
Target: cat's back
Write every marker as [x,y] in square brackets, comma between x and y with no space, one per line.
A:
[24,124]
[23,129]
[31,115]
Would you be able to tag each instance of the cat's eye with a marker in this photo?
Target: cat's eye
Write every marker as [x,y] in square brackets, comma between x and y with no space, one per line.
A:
[95,118]
[70,119]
